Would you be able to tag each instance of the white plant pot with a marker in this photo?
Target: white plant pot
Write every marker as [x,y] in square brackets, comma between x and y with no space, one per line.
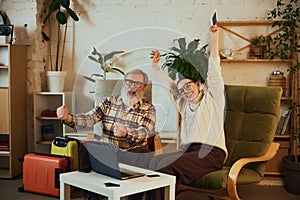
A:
[56,80]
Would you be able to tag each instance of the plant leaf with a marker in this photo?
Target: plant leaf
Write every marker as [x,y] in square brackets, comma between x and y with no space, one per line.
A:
[65,3]
[89,79]
[192,46]
[53,7]
[45,36]
[61,17]
[111,54]
[118,70]
[182,45]
[72,14]
[93,59]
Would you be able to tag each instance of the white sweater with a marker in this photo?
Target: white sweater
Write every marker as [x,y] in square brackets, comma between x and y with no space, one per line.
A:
[203,120]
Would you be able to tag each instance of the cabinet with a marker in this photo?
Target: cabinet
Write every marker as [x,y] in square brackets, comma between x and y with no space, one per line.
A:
[13,108]
[46,124]
[236,35]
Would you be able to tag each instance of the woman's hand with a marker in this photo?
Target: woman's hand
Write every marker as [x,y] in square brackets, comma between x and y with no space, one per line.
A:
[155,56]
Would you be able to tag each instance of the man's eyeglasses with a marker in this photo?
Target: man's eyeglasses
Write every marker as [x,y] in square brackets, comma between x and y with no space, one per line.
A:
[136,84]
[185,87]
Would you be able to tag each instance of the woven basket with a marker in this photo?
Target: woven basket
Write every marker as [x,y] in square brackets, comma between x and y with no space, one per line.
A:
[278,81]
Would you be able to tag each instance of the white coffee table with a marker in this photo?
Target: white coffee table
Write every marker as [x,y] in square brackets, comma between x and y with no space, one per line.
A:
[94,182]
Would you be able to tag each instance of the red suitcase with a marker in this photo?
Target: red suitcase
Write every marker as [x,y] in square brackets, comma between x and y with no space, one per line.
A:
[41,172]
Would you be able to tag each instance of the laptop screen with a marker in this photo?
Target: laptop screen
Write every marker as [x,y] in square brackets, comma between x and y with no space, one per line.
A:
[104,159]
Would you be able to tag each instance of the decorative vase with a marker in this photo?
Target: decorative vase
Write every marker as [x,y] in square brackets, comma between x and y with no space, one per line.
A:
[292,174]
[56,80]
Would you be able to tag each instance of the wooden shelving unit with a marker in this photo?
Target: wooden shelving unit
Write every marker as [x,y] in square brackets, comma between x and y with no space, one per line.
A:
[13,108]
[273,167]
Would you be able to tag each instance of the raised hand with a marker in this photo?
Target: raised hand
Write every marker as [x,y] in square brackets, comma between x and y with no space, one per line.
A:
[155,56]
[62,112]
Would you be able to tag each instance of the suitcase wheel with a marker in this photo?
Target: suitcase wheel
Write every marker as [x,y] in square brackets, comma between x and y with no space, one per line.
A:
[21,188]
[21,159]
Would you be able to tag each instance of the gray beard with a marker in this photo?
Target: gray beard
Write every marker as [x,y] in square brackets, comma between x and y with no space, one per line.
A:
[129,101]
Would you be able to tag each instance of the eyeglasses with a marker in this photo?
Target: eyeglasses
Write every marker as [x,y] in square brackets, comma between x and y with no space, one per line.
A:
[185,87]
[136,84]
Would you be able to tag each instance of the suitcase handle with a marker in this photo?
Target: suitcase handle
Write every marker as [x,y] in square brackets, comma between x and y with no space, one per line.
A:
[63,141]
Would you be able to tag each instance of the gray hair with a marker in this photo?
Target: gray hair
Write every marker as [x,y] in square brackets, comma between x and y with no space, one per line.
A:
[138,71]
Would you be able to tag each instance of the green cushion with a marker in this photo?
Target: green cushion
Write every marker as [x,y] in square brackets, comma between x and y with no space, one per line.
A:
[252,114]
[218,179]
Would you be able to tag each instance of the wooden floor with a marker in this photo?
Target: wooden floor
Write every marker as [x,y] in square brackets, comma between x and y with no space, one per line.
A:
[266,190]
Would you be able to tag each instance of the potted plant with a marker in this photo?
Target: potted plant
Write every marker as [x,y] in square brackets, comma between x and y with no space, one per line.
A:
[285,45]
[104,87]
[258,47]
[62,11]
[187,60]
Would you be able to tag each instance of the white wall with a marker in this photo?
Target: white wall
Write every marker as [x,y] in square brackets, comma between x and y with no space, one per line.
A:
[123,25]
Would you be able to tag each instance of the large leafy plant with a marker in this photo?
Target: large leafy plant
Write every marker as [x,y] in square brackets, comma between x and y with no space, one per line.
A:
[286,15]
[62,11]
[104,62]
[286,45]
[186,60]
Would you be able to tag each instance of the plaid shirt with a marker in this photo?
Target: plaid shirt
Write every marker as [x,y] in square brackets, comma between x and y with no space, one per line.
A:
[139,121]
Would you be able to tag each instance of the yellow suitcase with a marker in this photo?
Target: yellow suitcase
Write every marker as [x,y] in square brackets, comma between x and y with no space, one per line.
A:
[66,146]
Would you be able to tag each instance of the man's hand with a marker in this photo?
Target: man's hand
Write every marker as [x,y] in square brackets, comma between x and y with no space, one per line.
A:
[119,130]
[62,113]
[155,56]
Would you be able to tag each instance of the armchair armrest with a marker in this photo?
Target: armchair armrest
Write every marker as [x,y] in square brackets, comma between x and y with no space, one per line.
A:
[239,164]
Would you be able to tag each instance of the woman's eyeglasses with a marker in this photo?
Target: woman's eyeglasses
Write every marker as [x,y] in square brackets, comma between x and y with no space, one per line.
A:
[187,86]
[136,84]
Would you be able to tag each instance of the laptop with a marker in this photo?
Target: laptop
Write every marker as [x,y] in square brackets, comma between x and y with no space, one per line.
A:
[104,160]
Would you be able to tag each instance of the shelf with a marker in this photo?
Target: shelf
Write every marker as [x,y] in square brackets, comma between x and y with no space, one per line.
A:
[52,93]
[44,142]
[256,60]
[4,153]
[246,23]
[47,118]
[277,136]
[3,67]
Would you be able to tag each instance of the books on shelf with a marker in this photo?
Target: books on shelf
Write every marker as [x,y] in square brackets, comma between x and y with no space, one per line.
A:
[4,146]
[283,121]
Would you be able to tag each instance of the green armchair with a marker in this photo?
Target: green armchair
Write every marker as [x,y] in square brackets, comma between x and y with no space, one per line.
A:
[252,114]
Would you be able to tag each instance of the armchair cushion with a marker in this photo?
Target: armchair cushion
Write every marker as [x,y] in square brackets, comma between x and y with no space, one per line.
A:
[218,179]
[250,124]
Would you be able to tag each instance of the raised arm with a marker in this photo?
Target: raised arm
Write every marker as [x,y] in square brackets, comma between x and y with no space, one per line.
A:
[162,77]
[214,47]
[214,81]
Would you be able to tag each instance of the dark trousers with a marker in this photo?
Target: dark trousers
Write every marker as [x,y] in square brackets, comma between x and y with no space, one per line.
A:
[187,165]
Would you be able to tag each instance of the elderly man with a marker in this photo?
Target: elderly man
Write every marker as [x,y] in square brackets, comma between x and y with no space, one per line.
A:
[127,119]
